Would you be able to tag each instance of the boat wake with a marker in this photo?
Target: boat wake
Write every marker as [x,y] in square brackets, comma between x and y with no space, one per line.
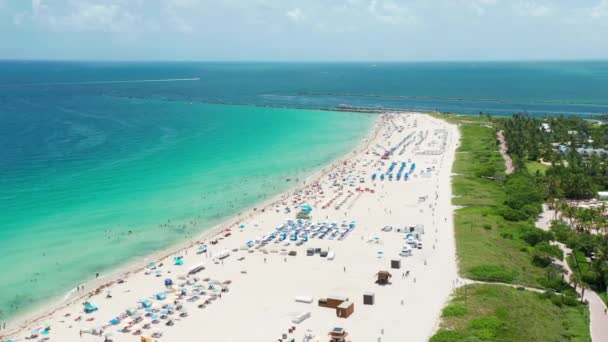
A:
[106,82]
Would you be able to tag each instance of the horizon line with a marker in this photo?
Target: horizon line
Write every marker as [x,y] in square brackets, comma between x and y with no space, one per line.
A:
[305,61]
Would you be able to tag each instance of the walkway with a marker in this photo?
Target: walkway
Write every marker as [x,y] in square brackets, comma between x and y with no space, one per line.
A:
[597,308]
[504,152]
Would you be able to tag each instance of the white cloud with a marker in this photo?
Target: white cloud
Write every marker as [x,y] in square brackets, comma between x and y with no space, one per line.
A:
[295,14]
[600,10]
[533,8]
[390,11]
[479,6]
[80,16]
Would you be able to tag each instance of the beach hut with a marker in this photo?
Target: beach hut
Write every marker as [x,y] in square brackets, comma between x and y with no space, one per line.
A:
[368,298]
[338,335]
[331,301]
[383,277]
[345,309]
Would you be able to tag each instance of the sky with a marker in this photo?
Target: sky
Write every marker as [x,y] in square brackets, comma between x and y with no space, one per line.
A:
[304,30]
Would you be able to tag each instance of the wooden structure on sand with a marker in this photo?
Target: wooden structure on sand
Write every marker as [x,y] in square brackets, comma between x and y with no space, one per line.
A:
[383,277]
[338,335]
[344,307]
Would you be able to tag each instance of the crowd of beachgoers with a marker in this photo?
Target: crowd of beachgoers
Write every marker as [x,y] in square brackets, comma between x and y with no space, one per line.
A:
[385,207]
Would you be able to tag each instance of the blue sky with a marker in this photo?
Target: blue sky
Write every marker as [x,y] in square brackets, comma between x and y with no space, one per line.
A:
[307,30]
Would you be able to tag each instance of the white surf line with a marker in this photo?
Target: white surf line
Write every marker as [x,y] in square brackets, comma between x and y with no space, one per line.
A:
[108,82]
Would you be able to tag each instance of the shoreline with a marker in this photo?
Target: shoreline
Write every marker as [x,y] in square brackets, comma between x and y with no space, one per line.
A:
[59,302]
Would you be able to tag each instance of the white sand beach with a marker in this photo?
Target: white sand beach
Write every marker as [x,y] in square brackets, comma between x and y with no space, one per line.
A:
[250,294]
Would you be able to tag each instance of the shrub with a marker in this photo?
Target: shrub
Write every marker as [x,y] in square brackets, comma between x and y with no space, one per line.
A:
[454,311]
[511,214]
[541,259]
[534,236]
[555,284]
[570,300]
[492,273]
[486,328]
[551,250]
[448,336]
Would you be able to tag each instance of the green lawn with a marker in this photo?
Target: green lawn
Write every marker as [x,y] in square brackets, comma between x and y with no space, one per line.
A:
[536,166]
[501,313]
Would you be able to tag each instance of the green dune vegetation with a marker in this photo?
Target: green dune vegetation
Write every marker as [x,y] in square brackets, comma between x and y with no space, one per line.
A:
[501,313]
[497,241]
[496,238]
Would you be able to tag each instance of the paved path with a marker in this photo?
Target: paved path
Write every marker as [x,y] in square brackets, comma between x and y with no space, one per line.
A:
[597,308]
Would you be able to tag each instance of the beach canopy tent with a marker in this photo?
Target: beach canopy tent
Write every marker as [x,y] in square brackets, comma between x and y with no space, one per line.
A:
[115,321]
[90,307]
[307,208]
[146,303]
[168,282]
[161,296]
[178,261]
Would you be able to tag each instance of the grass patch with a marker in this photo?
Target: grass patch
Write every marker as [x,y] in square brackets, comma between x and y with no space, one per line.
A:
[489,247]
[454,311]
[501,313]
[533,167]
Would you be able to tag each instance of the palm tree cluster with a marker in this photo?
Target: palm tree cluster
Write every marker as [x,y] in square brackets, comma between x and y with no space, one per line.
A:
[571,175]
[556,142]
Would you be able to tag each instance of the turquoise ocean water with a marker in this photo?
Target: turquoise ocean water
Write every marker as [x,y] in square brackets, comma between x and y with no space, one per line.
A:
[104,163]
[100,168]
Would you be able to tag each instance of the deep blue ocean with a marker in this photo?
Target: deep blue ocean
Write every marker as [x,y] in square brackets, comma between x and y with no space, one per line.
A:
[538,88]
